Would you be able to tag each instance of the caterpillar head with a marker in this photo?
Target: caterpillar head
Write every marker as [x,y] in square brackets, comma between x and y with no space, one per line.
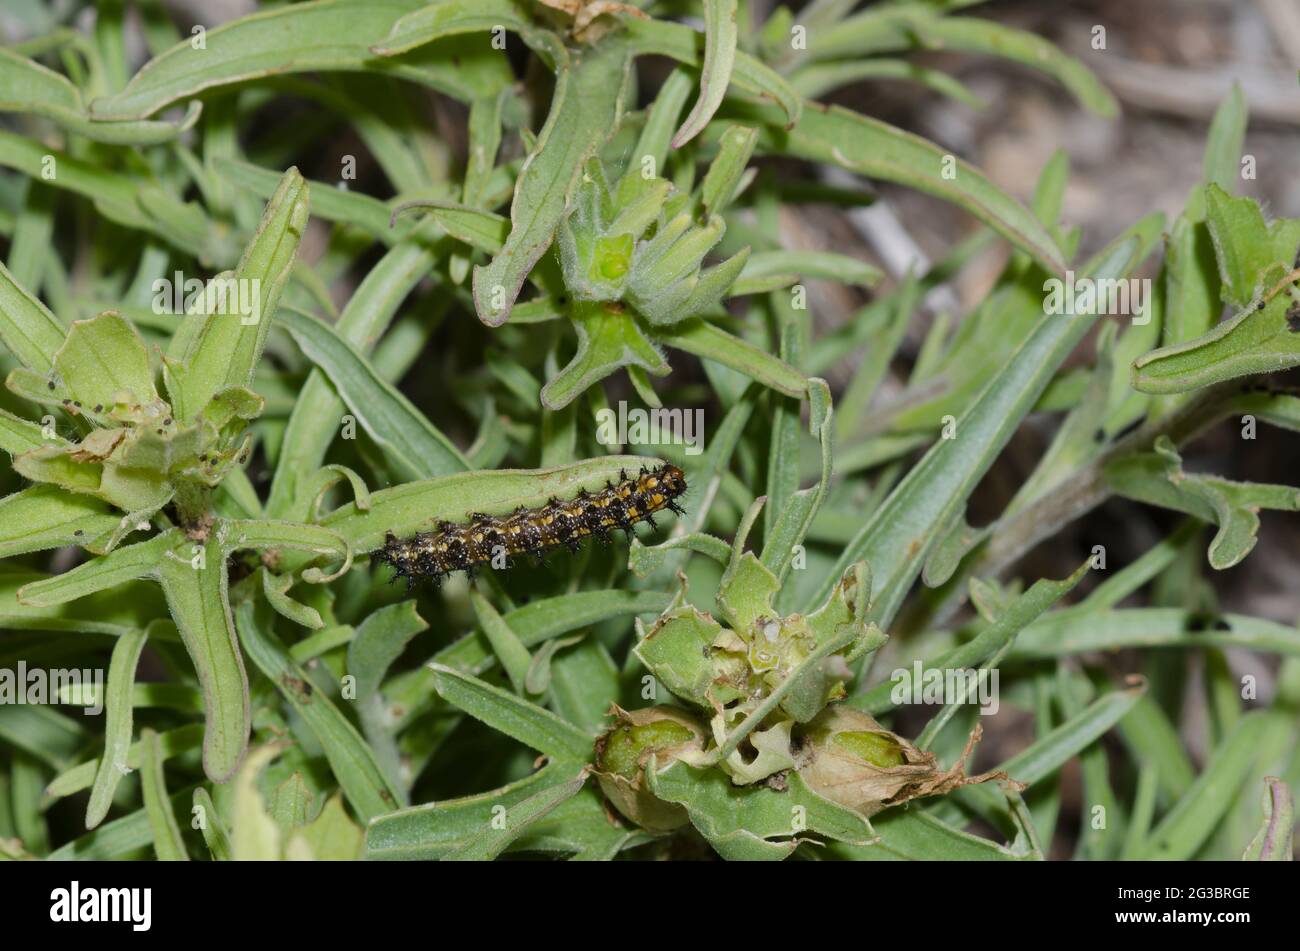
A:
[672,481]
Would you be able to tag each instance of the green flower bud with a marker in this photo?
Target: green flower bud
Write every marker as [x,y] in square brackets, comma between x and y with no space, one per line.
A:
[851,759]
[612,258]
[666,733]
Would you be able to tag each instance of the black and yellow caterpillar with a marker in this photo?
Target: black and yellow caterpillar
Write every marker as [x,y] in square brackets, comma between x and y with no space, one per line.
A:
[535,531]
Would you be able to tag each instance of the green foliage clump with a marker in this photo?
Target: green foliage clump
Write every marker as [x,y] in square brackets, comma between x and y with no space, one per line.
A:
[193,500]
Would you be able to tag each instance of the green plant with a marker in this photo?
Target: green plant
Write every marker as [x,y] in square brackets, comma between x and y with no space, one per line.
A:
[219,470]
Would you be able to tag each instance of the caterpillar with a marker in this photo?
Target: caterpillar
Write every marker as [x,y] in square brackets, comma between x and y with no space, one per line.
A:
[535,531]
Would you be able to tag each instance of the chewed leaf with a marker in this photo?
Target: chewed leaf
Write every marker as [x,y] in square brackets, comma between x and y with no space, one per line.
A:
[1247,248]
[1158,478]
[103,361]
[1259,339]
[677,651]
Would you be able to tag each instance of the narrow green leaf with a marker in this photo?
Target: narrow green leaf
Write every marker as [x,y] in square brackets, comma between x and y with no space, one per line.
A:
[1190,822]
[167,842]
[679,42]
[485,230]
[119,837]
[986,36]
[645,560]
[1273,841]
[379,641]
[27,86]
[434,829]
[583,679]
[712,343]
[214,831]
[27,328]
[494,840]
[1078,631]
[528,723]
[510,651]
[48,735]
[1044,756]
[990,642]
[108,571]
[82,776]
[117,727]
[455,18]
[585,109]
[195,583]
[816,79]
[413,444]
[900,533]
[869,147]
[1144,807]
[1225,141]
[224,347]
[19,435]
[316,416]
[331,204]
[895,314]
[825,265]
[534,623]
[131,200]
[49,516]
[1152,738]
[351,760]
[307,37]
[720,39]
[661,120]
